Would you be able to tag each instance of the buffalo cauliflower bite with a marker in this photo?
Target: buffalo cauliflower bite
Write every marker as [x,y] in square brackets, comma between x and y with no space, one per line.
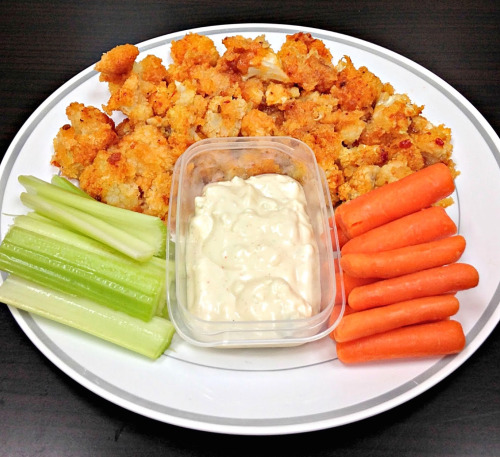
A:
[136,96]
[356,89]
[307,62]
[124,174]
[251,58]
[391,118]
[186,114]
[434,142]
[223,117]
[258,123]
[191,51]
[116,65]
[281,94]
[76,145]
[195,60]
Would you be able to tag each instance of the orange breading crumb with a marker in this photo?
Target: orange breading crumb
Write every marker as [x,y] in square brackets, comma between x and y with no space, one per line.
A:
[364,134]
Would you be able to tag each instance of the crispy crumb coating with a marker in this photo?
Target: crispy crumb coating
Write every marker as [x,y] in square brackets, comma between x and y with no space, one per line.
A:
[364,134]
[115,65]
[356,89]
[76,145]
[307,62]
[134,173]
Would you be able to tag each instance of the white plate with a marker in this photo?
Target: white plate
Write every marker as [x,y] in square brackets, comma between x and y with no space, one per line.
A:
[287,390]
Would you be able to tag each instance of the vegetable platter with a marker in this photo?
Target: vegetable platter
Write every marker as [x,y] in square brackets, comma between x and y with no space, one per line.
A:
[255,392]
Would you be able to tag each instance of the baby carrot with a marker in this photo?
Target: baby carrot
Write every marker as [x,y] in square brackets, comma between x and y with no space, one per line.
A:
[402,261]
[382,319]
[394,200]
[420,340]
[349,282]
[342,237]
[434,281]
[335,314]
[422,226]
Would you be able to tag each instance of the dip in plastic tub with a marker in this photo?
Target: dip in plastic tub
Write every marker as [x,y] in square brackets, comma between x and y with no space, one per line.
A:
[251,311]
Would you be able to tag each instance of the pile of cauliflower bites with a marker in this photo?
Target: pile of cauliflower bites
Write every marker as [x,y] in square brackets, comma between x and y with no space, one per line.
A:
[363,134]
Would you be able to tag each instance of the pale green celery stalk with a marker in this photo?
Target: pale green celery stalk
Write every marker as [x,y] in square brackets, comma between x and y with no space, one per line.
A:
[89,225]
[148,228]
[44,226]
[121,284]
[150,339]
[66,184]
[47,227]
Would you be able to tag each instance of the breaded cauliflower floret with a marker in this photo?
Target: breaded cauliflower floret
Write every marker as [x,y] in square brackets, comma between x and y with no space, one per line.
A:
[281,94]
[258,123]
[392,171]
[124,174]
[391,118]
[185,117]
[251,58]
[368,177]
[307,62]
[76,145]
[352,158]
[309,111]
[136,97]
[195,62]
[116,65]
[356,89]
[252,91]
[434,142]
[223,117]
[190,51]
[362,181]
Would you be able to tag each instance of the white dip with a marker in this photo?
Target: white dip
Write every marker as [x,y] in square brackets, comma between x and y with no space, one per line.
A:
[251,252]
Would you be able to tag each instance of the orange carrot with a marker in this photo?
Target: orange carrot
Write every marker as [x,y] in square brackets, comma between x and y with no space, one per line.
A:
[423,226]
[349,283]
[342,237]
[394,200]
[382,319]
[335,314]
[434,281]
[402,261]
[421,340]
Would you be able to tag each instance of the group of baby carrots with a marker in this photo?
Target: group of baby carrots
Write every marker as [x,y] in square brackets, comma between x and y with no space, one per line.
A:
[399,261]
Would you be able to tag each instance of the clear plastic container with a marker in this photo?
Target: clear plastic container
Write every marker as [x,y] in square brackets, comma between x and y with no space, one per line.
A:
[221,159]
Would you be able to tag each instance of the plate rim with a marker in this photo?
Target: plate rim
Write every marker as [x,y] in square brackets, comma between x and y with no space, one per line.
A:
[429,378]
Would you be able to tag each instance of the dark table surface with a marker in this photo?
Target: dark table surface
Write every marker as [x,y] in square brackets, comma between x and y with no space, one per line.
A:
[43,412]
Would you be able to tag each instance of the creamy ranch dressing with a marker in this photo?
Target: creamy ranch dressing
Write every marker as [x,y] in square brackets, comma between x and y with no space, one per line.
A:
[251,253]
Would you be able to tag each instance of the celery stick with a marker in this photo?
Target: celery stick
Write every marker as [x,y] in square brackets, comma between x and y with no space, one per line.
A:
[44,226]
[90,226]
[115,283]
[150,339]
[66,184]
[147,228]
